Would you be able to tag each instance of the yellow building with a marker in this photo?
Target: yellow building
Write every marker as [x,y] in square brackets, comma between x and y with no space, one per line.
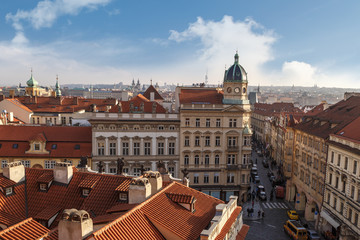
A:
[215,136]
[43,146]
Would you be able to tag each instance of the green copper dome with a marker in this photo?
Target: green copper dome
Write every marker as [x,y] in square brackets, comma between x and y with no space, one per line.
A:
[236,73]
[32,82]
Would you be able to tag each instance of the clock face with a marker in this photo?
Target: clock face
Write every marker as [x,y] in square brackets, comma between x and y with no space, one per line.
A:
[237,90]
[228,89]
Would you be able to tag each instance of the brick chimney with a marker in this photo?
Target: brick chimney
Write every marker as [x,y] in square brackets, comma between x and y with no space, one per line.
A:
[139,190]
[14,171]
[155,180]
[75,225]
[75,100]
[63,172]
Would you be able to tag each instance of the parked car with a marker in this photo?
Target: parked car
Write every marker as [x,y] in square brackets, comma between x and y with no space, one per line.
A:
[312,234]
[265,163]
[260,188]
[292,214]
[254,171]
[256,179]
[262,196]
[272,178]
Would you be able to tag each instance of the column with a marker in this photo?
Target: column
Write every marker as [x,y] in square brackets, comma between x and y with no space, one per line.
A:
[166,147]
[118,146]
[153,166]
[153,146]
[107,166]
[131,147]
[177,147]
[142,146]
[106,147]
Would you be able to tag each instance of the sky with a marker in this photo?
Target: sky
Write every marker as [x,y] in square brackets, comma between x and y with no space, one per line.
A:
[279,42]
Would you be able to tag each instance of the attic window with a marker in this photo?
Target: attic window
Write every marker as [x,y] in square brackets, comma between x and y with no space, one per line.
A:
[8,191]
[161,127]
[122,196]
[15,145]
[172,127]
[43,186]
[77,146]
[36,146]
[85,192]
[54,146]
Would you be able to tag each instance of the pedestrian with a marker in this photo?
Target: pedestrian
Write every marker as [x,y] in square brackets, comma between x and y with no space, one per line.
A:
[248,210]
[256,161]
[259,212]
[263,214]
[252,203]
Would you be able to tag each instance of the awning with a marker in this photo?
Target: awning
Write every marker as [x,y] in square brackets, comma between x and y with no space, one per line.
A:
[329,219]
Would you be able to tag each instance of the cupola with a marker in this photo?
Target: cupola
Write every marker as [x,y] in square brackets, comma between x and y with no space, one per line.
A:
[236,73]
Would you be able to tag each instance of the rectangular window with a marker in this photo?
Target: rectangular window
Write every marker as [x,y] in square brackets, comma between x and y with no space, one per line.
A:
[186,160]
[330,178]
[352,191]
[3,163]
[356,219]
[350,214]
[8,190]
[207,141]
[122,196]
[232,123]
[206,178]
[208,122]
[125,148]
[43,186]
[54,146]
[196,159]
[332,157]
[196,178]
[187,122]
[147,148]
[137,172]
[70,120]
[26,163]
[197,141]
[247,141]
[355,167]
[15,146]
[101,148]
[36,146]
[230,178]
[136,148]
[217,159]
[335,203]
[216,177]
[171,148]
[232,141]
[49,164]
[112,148]
[341,208]
[218,122]
[160,148]
[336,182]
[207,160]
[63,120]
[112,170]
[346,163]
[217,141]
[231,159]
[197,122]
[187,142]
[171,170]
[339,160]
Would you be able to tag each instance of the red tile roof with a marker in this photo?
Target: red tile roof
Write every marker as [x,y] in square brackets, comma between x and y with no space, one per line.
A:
[28,229]
[229,223]
[124,106]
[333,119]
[64,137]
[150,89]
[124,186]
[5,182]
[243,232]
[46,177]
[8,219]
[351,131]
[53,235]
[276,108]
[200,96]
[89,181]
[122,207]
[47,213]
[180,198]
[107,218]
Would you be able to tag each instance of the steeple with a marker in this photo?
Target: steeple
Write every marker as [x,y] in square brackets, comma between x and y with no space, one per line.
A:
[32,82]
[57,87]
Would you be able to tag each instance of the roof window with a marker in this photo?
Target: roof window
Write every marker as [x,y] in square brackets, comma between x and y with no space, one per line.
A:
[77,146]
[8,190]
[15,145]
[85,192]
[54,146]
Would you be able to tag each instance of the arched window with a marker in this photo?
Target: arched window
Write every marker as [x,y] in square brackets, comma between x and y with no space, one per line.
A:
[217,159]
[207,160]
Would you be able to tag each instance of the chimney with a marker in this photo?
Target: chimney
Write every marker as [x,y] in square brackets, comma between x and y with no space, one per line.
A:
[75,225]
[14,171]
[75,100]
[139,190]
[152,96]
[63,172]
[155,181]
[11,116]
[12,93]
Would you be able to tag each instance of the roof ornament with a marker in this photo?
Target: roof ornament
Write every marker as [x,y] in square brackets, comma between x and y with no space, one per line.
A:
[120,166]
[100,166]
[236,57]
[142,169]
[83,162]
[185,172]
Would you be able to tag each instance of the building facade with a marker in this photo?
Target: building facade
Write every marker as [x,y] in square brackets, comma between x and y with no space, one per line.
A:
[141,132]
[215,135]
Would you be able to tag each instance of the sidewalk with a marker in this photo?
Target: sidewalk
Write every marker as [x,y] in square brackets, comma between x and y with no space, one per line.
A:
[253,216]
[311,224]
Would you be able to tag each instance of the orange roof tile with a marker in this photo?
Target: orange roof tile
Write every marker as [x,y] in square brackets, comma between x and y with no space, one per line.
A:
[351,131]
[8,219]
[18,103]
[107,218]
[46,177]
[201,96]
[124,186]
[122,207]
[180,198]
[53,235]
[27,229]
[136,103]
[47,213]
[89,181]
[229,223]
[5,182]
[39,137]
[243,232]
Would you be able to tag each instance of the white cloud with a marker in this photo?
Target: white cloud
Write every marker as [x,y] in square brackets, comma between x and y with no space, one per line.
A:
[46,12]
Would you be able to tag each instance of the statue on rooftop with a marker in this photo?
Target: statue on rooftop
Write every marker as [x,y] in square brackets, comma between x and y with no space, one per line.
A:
[185,172]
[120,166]
[83,162]
[100,167]
[142,169]
[161,167]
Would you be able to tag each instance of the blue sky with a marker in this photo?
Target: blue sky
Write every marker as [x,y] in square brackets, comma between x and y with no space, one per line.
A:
[109,41]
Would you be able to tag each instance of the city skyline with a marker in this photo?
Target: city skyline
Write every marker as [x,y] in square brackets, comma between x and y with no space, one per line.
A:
[107,41]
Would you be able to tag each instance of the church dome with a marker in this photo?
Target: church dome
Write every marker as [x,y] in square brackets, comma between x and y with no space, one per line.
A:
[236,73]
[32,82]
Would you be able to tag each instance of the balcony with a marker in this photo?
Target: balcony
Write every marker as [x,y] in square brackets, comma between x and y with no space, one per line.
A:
[232,167]
[245,166]
[232,148]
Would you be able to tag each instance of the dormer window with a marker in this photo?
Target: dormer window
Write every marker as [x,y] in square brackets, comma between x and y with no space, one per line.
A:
[54,146]
[36,146]
[123,197]
[15,146]
[43,186]
[8,190]
[85,192]
[77,146]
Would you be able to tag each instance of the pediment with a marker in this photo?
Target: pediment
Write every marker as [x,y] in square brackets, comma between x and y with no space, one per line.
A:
[233,108]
